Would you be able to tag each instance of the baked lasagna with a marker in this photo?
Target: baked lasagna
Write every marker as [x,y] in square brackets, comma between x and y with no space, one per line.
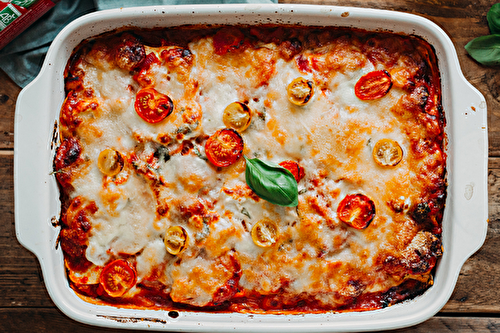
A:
[252,169]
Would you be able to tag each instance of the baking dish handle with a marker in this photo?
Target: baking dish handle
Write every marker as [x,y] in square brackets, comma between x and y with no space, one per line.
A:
[33,183]
[469,174]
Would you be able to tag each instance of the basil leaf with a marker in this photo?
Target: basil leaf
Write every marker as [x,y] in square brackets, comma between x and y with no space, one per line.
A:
[272,182]
[493,17]
[485,49]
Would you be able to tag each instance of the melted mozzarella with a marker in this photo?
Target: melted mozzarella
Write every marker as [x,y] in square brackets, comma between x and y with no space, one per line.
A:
[153,255]
[128,229]
[332,138]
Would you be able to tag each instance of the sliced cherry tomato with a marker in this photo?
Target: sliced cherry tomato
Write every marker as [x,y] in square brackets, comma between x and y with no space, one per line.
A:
[237,116]
[373,85]
[153,106]
[300,91]
[176,240]
[295,168]
[387,152]
[224,147]
[118,277]
[110,162]
[356,210]
[264,233]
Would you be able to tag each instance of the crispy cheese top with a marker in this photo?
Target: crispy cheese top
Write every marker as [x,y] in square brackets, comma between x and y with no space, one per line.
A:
[317,262]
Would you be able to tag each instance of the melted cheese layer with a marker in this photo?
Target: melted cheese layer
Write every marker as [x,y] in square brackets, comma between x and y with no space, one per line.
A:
[167,180]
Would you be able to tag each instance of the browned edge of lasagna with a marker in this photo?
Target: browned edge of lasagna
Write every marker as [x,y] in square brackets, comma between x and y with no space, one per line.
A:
[251,169]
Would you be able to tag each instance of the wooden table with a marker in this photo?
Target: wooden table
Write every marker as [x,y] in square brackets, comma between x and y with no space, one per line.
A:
[475,303]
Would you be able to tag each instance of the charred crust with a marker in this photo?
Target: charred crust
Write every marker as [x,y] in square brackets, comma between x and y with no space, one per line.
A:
[129,53]
[290,48]
[421,212]
[74,79]
[75,230]
[67,155]
[420,95]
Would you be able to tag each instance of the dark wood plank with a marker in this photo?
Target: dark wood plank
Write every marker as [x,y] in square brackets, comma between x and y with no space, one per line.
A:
[21,282]
[26,306]
[493,189]
[52,320]
[8,96]
[454,9]
[43,320]
[477,287]
[455,324]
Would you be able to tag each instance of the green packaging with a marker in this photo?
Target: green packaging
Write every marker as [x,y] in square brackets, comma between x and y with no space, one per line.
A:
[7,15]
[24,3]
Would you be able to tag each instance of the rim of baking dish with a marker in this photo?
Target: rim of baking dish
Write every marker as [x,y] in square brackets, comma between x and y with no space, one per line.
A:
[36,192]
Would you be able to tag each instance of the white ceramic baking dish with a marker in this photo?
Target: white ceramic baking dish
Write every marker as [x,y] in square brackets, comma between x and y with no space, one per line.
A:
[37,196]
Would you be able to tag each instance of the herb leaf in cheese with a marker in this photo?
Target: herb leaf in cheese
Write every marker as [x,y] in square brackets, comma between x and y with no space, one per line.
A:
[272,182]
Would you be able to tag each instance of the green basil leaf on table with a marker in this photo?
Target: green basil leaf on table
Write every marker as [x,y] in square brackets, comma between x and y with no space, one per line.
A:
[485,49]
[272,182]
[493,17]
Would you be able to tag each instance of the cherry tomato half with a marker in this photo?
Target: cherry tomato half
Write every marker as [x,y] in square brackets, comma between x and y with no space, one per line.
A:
[153,106]
[237,116]
[373,85]
[224,147]
[118,277]
[295,168]
[265,233]
[176,239]
[110,162]
[387,152]
[356,210]
[300,91]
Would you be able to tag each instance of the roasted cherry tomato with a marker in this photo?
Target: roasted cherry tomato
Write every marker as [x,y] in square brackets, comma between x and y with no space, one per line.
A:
[300,91]
[373,85]
[237,116]
[264,233]
[176,240]
[118,277]
[153,106]
[356,210]
[295,168]
[224,147]
[387,152]
[110,162]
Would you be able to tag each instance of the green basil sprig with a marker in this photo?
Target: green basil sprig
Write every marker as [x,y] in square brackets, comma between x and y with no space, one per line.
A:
[486,49]
[272,182]
[493,17]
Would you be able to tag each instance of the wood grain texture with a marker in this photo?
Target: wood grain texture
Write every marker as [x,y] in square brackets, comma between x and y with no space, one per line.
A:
[477,288]
[475,303]
[8,96]
[21,282]
[52,320]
